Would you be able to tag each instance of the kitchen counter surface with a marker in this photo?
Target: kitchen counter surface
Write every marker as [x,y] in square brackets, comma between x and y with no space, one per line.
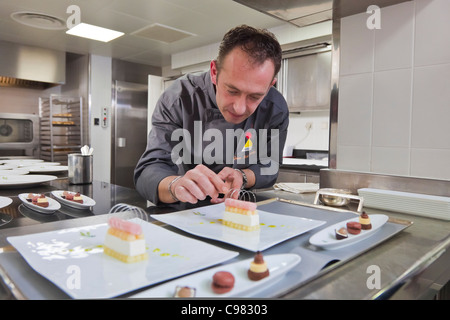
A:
[412,264]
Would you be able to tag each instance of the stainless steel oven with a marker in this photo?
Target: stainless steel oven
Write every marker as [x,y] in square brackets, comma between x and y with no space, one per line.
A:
[19,134]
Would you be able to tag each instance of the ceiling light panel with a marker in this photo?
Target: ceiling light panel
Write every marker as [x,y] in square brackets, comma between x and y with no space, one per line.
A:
[90,31]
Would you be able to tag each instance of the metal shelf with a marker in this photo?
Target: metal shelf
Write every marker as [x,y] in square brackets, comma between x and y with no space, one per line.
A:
[60,127]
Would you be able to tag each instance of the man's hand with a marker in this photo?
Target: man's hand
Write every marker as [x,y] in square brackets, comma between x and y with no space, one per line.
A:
[197,184]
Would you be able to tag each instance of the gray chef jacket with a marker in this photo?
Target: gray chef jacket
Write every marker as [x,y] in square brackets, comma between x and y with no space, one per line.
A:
[189,129]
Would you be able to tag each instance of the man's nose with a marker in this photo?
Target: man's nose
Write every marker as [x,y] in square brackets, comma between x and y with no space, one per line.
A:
[240,105]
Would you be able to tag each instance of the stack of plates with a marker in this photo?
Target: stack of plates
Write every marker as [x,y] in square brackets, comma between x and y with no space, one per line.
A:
[406,202]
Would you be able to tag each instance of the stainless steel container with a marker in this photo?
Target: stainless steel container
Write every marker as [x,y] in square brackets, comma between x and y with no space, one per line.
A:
[80,168]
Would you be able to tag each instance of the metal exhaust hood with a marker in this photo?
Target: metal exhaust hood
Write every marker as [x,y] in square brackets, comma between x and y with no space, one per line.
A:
[298,12]
[31,67]
[306,12]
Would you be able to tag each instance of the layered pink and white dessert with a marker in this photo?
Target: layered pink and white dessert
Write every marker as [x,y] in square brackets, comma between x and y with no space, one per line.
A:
[240,215]
[125,241]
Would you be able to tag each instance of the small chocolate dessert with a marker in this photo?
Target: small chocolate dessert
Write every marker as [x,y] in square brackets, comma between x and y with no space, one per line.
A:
[258,268]
[365,221]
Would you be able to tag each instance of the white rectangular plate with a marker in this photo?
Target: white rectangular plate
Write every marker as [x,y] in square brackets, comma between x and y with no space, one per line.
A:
[206,222]
[73,259]
[278,265]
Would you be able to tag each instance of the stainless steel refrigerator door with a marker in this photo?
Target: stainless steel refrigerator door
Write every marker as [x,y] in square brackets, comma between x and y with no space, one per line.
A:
[129,133]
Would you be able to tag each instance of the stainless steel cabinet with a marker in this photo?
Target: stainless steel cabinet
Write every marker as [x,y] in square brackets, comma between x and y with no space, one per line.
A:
[129,130]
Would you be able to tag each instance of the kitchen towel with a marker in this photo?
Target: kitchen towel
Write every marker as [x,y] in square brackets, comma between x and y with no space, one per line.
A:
[297,187]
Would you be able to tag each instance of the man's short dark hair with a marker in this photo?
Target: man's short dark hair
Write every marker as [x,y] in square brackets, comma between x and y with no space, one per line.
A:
[259,44]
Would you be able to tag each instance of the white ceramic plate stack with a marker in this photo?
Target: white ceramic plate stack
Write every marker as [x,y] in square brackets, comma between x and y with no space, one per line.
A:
[406,202]
[44,168]
[17,163]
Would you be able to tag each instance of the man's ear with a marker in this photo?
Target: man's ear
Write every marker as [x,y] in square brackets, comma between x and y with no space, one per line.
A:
[213,71]
[274,81]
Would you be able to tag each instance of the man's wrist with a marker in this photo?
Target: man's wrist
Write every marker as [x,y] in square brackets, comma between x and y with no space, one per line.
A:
[172,193]
[244,178]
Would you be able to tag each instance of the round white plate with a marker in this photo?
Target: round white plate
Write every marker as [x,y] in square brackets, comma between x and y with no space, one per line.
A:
[33,164]
[53,205]
[14,171]
[87,202]
[44,168]
[13,181]
[278,265]
[326,238]
[7,167]
[5,201]
[21,162]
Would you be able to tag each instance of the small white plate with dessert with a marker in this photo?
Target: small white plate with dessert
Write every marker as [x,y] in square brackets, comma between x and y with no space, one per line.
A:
[73,199]
[348,232]
[39,202]
[230,280]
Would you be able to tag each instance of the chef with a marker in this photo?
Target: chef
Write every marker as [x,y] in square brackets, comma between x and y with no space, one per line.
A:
[219,130]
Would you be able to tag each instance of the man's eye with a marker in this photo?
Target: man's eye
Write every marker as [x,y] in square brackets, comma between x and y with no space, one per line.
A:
[232,92]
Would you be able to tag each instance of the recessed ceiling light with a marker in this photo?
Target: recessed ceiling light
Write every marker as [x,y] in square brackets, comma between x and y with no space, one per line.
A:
[94,32]
[39,20]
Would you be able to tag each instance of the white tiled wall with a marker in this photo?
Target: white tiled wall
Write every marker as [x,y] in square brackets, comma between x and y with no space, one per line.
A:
[394,92]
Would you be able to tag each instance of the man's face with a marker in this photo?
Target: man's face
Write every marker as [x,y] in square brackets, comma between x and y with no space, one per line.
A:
[241,85]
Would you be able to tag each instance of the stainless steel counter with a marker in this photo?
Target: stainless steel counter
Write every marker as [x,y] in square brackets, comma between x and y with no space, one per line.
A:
[413,264]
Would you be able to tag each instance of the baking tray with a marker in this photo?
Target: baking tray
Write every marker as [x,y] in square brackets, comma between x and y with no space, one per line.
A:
[25,283]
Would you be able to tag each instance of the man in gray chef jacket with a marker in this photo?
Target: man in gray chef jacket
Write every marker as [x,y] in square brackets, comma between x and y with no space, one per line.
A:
[220,130]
